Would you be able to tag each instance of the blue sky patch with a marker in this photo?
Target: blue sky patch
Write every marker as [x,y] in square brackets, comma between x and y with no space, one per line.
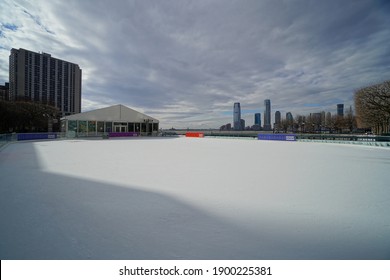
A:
[9,26]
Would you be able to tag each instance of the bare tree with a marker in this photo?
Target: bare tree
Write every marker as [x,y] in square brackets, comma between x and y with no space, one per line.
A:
[338,123]
[373,107]
[350,120]
[299,123]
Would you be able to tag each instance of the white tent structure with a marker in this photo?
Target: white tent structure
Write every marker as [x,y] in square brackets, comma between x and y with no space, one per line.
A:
[117,118]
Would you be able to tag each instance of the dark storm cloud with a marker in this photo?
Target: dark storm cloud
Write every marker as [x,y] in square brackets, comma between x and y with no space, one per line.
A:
[187,62]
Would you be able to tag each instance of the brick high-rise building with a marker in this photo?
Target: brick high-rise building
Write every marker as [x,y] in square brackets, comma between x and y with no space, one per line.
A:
[39,77]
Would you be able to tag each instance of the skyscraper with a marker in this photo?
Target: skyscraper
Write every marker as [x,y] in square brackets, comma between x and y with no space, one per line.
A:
[267,115]
[278,117]
[289,117]
[242,124]
[340,110]
[237,116]
[258,119]
[38,77]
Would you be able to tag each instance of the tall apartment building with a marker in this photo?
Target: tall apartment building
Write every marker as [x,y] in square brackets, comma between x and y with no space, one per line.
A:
[38,77]
[267,115]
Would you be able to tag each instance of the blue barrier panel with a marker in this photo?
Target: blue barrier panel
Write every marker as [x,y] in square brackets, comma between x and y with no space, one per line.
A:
[277,137]
[36,136]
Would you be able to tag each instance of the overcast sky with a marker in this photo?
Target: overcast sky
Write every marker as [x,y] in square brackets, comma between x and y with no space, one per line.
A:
[187,62]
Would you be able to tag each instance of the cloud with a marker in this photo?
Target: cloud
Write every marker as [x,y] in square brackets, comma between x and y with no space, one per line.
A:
[187,62]
[37,21]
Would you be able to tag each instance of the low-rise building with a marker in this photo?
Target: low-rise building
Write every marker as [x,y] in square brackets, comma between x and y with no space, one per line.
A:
[113,119]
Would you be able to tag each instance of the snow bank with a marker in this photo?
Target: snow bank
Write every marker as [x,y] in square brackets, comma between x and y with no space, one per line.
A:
[189,198]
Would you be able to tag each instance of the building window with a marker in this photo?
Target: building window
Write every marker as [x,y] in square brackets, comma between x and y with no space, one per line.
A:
[72,125]
[91,126]
[131,127]
[108,126]
[100,126]
[82,126]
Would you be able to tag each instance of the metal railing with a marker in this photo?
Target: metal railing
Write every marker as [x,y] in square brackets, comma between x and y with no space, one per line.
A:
[14,137]
[372,140]
[344,137]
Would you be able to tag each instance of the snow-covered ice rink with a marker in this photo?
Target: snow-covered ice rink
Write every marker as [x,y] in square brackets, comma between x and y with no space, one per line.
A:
[188,198]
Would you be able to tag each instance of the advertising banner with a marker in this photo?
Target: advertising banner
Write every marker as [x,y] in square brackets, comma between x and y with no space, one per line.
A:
[277,137]
[123,134]
[195,134]
[36,136]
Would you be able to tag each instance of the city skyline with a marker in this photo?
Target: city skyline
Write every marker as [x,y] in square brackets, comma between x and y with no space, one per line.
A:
[187,64]
[275,117]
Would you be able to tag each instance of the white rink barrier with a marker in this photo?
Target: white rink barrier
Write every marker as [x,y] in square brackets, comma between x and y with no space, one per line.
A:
[366,143]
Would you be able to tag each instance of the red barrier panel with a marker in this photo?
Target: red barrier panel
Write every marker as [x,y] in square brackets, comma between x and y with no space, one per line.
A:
[195,134]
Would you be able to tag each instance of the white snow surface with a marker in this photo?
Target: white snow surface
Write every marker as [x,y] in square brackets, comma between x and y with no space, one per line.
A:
[190,198]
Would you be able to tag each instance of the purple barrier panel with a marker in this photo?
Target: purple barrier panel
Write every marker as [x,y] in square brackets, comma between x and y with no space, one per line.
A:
[122,134]
[36,136]
[277,137]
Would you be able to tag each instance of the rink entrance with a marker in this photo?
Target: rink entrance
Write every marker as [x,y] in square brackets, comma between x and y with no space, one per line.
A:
[120,127]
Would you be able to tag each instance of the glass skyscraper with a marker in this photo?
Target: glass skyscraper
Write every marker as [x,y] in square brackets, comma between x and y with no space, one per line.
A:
[258,119]
[267,115]
[289,117]
[340,110]
[278,118]
[237,116]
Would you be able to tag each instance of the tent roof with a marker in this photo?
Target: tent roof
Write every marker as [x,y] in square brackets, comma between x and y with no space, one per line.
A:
[112,113]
